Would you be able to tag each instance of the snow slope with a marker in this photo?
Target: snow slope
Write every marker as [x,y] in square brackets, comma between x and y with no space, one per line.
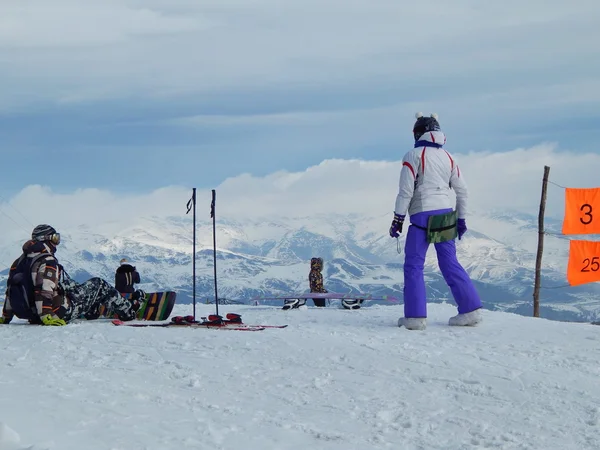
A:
[334,379]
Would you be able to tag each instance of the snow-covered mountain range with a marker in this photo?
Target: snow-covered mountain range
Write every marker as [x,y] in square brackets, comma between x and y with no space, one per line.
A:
[271,257]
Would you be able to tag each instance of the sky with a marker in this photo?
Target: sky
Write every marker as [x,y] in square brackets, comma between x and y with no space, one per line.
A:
[135,102]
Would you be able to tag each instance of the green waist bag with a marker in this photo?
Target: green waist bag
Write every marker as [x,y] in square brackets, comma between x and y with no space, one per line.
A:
[442,227]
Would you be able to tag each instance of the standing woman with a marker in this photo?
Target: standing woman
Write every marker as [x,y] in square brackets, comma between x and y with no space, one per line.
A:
[428,175]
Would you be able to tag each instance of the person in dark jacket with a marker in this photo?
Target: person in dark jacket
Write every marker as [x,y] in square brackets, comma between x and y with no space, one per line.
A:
[125,277]
[44,294]
[315,278]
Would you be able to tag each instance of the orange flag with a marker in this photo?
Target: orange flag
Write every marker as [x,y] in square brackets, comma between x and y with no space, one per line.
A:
[584,262]
[582,211]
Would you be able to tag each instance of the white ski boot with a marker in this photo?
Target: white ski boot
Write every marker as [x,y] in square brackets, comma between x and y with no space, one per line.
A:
[413,323]
[469,319]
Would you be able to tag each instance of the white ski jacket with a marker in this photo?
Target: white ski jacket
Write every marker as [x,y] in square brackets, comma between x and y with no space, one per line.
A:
[427,177]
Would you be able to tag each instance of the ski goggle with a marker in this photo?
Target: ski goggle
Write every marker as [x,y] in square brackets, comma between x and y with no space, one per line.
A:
[54,238]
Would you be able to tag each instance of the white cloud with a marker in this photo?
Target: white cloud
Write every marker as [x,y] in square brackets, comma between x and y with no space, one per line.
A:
[509,180]
[74,50]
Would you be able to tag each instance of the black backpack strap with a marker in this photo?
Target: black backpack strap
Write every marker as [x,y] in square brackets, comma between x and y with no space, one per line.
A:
[14,266]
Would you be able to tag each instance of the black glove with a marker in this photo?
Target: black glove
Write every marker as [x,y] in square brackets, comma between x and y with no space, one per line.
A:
[396,227]
[461,228]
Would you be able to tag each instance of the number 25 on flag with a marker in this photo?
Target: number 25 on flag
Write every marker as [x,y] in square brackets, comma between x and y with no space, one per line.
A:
[584,262]
[582,211]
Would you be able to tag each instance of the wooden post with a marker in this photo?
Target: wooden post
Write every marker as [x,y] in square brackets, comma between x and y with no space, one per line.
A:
[540,249]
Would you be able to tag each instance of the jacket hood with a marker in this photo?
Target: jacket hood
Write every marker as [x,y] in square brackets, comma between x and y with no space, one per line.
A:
[125,268]
[32,247]
[316,264]
[437,138]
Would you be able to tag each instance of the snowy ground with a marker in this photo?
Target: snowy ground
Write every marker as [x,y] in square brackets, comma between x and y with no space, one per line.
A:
[334,379]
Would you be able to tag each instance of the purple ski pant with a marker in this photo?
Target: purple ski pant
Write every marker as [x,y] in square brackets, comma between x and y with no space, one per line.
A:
[415,300]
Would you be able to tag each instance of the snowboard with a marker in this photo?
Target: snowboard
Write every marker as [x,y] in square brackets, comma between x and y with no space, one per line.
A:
[156,306]
[348,301]
[331,295]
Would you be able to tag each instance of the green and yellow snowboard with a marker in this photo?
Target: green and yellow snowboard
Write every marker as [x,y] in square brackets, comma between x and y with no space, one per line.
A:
[156,306]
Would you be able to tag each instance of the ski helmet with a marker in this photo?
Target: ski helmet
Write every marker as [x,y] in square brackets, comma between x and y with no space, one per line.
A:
[45,233]
[425,124]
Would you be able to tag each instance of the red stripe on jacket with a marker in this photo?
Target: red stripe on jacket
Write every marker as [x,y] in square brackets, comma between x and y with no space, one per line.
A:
[451,161]
[410,167]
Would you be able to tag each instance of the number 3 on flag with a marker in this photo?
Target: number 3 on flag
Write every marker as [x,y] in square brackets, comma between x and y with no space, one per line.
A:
[582,211]
[584,262]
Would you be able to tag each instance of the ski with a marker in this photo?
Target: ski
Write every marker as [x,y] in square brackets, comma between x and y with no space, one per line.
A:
[236,319]
[188,325]
[243,325]
[231,319]
[231,322]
